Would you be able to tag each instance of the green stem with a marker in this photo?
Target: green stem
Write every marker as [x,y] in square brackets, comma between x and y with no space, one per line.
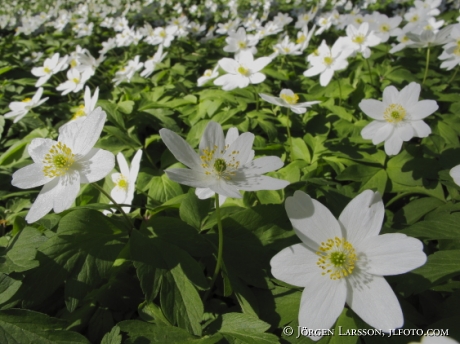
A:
[426,64]
[397,197]
[256,96]
[120,209]
[370,73]
[288,127]
[340,91]
[219,250]
[453,76]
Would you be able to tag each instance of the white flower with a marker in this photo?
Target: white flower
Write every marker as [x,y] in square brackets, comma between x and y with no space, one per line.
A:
[75,82]
[223,168]
[344,261]
[50,66]
[436,340]
[150,64]
[286,47]
[61,166]
[326,61]
[288,99]
[239,41]
[398,117]
[20,109]
[163,36]
[360,39]
[84,110]
[125,182]
[127,72]
[242,71]
[208,74]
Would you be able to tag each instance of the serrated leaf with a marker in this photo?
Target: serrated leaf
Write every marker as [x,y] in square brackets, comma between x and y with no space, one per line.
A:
[19,326]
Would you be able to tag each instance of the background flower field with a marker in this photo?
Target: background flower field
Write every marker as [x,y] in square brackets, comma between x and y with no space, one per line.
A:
[127,254]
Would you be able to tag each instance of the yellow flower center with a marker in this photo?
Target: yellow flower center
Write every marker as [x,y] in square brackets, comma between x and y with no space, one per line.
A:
[73,64]
[47,70]
[384,28]
[163,34]
[219,167]
[337,258]
[359,39]
[286,50]
[122,182]
[394,113]
[79,113]
[414,18]
[457,51]
[405,39]
[242,45]
[243,71]
[359,20]
[328,60]
[76,80]
[58,160]
[301,39]
[26,100]
[290,99]
[208,73]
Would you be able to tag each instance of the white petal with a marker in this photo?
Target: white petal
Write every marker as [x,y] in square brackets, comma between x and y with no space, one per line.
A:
[455,174]
[38,148]
[232,135]
[180,149]
[135,165]
[95,165]
[256,78]
[372,298]
[314,70]
[123,165]
[409,95]
[204,193]
[392,254]
[262,165]
[222,188]
[260,64]
[189,177]
[213,136]
[296,265]
[372,108]
[383,133]
[256,183]
[69,186]
[363,216]
[44,202]
[312,221]
[229,65]
[30,176]
[119,195]
[368,132]
[390,95]
[405,132]
[242,145]
[423,109]
[393,145]
[421,129]
[326,77]
[322,302]
[89,132]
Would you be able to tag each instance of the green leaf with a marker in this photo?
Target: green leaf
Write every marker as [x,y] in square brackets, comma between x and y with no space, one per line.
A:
[83,251]
[193,210]
[416,209]
[245,328]
[444,227]
[163,189]
[24,326]
[180,301]
[113,337]
[300,150]
[139,331]
[126,107]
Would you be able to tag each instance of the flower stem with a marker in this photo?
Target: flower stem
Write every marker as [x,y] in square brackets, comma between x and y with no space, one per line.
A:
[453,76]
[370,73]
[219,250]
[340,91]
[288,127]
[426,64]
[130,224]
